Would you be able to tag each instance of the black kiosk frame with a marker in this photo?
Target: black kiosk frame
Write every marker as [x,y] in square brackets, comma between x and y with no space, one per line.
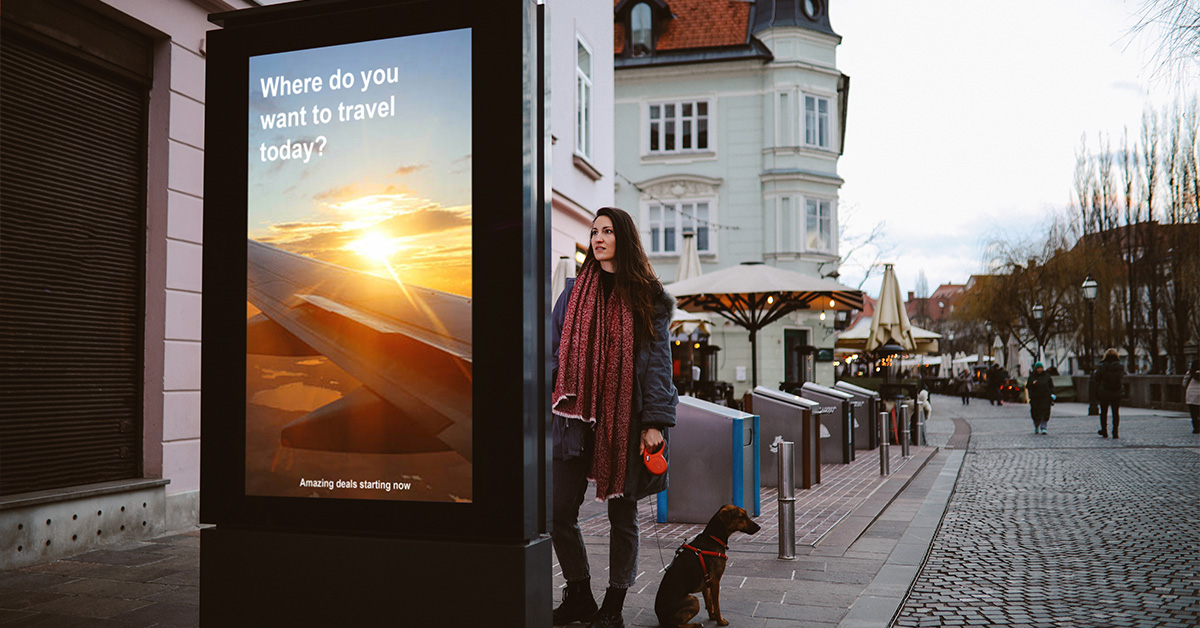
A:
[301,561]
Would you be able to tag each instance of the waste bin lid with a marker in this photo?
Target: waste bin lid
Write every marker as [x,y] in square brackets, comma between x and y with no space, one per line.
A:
[848,387]
[779,395]
[725,411]
[825,390]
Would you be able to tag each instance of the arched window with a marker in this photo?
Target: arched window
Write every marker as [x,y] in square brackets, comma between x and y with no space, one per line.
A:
[641,27]
[812,9]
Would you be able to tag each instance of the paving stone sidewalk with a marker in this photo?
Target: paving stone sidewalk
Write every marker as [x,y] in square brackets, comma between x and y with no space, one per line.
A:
[862,539]
[1067,529]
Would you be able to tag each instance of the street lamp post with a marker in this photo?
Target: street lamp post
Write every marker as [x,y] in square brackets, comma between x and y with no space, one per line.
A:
[988,326]
[1090,287]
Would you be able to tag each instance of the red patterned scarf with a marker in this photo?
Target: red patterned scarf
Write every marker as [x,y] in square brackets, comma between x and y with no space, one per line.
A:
[595,376]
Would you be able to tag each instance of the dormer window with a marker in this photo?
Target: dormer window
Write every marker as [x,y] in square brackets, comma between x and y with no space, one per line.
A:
[641,30]
[639,22]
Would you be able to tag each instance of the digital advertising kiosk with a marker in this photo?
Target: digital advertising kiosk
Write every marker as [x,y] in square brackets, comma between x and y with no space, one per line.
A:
[375,227]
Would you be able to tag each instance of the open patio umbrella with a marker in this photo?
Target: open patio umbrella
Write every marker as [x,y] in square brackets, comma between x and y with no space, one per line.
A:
[753,295]
[855,338]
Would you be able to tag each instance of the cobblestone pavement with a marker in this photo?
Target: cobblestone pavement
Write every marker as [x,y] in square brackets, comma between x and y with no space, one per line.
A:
[1067,529]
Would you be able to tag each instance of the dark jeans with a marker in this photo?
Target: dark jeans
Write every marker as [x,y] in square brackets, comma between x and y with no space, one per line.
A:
[1194,409]
[1116,415]
[570,487]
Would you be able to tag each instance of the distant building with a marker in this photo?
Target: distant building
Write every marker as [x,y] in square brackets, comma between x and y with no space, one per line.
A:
[730,118]
[929,312]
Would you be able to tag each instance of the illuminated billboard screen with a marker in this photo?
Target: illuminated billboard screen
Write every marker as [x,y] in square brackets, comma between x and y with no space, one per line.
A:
[359,271]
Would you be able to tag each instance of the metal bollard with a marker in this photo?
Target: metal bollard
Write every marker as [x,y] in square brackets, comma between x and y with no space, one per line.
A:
[787,500]
[905,432]
[885,459]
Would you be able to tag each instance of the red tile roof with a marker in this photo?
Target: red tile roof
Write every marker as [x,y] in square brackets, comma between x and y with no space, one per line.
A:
[697,24]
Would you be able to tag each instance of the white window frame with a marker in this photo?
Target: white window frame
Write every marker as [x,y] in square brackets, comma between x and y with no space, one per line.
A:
[831,217]
[813,135]
[584,100]
[657,125]
[661,217]
[788,227]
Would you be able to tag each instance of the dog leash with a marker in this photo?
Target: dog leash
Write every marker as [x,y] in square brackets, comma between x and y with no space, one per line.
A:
[700,554]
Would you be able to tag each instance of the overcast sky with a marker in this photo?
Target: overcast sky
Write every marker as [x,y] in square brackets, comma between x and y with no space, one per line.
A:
[965,118]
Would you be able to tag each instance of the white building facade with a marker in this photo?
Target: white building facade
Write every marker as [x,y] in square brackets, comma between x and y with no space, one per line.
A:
[729,121]
[581,119]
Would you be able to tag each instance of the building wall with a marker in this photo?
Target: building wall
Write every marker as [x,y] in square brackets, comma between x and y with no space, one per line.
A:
[577,192]
[172,329]
[747,170]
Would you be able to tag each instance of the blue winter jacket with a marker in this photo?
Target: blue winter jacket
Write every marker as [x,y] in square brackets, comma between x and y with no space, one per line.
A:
[654,397]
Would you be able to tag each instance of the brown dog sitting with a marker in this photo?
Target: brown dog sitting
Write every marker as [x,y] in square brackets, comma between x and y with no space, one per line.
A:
[697,568]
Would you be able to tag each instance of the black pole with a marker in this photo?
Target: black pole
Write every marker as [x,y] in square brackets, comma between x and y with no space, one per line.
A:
[753,359]
[1093,409]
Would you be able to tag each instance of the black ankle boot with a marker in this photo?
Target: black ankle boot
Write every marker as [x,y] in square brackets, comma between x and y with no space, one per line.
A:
[609,615]
[577,605]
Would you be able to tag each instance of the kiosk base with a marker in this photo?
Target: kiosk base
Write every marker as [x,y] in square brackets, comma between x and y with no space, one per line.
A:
[257,578]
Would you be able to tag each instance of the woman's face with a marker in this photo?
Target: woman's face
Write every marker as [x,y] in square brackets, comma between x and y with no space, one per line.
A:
[604,243]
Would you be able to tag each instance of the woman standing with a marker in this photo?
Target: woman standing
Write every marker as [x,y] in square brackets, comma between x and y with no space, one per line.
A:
[1191,387]
[1107,383]
[1040,388]
[613,399]
[964,386]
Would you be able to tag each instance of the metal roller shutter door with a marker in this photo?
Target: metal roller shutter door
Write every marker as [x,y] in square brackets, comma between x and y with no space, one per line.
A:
[72,251]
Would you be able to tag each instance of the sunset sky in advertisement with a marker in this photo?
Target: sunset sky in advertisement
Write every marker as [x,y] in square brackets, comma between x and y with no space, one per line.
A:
[360,155]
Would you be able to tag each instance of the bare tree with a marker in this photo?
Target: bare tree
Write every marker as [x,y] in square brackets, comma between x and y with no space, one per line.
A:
[1175,25]
[1132,244]
[1151,274]
[862,251]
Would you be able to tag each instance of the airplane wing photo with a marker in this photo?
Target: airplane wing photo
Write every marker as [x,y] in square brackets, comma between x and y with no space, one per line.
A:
[409,346]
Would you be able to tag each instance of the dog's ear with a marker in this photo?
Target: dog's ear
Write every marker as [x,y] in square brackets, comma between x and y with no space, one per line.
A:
[725,516]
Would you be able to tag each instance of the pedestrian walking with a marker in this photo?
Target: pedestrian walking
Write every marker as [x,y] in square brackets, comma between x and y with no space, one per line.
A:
[613,400]
[1191,394]
[964,386]
[1106,381]
[995,378]
[1040,388]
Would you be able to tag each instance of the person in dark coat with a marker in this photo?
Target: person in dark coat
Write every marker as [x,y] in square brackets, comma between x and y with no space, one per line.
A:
[995,379]
[613,400]
[1106,382]
[1041,396]
[1191,394]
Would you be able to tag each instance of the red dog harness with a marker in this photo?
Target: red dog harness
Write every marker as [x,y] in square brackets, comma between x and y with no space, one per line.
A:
[702,553]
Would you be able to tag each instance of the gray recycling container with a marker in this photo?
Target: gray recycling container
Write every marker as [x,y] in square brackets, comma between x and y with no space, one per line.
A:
[713,461]
[787,417]
[866,409]
[839,447]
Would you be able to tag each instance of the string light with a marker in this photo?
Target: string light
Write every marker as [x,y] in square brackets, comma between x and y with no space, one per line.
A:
[673,206]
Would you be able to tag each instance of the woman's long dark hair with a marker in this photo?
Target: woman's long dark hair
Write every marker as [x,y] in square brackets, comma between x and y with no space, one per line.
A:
[636,281]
